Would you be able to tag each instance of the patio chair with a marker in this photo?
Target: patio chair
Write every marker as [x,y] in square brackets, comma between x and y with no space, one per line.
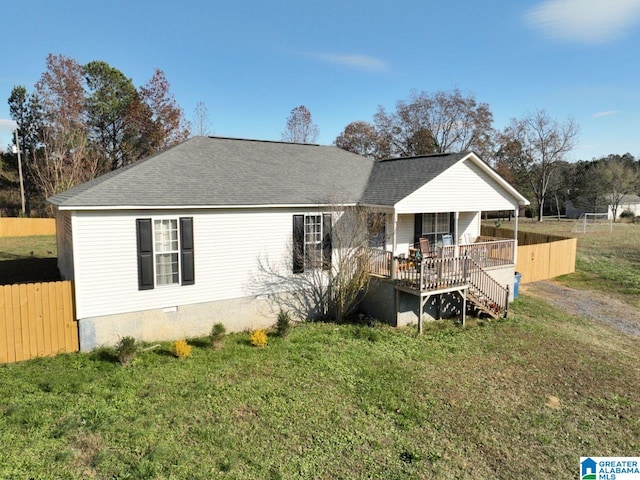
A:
[425,250]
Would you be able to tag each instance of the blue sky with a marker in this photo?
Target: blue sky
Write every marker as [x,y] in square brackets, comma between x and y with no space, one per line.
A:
[252,62]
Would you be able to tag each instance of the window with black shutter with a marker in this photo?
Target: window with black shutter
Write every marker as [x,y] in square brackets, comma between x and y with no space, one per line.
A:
[165,252]
[312,246]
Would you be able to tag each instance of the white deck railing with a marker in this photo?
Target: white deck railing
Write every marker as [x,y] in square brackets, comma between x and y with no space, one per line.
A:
[486,253]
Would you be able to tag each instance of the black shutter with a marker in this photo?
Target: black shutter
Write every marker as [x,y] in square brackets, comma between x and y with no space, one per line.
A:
[417,229]
[452,226]
[326,241]
[186,250]
[298,243]
[145,254]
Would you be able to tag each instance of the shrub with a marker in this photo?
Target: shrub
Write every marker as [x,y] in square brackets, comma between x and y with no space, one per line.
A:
[258,338]
[627,214]
[283,324]
[126,350]
[181,349]
[218,333]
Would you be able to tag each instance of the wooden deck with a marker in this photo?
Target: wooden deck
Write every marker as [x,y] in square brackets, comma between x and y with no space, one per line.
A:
[434,272]
[457,269]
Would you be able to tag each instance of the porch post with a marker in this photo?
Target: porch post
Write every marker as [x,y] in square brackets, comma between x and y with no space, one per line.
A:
[515,235]
[394,237]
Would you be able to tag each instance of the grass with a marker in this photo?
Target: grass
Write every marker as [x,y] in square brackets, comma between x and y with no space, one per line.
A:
[347,401]
[517,398]
[28,259]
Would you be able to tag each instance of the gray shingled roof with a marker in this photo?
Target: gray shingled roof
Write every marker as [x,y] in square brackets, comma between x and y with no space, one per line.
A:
[393,179]
[210,171]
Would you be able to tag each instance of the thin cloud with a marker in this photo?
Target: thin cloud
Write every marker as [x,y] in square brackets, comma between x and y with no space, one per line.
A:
[584,21]
[606,114]
[362,62]
[7,125]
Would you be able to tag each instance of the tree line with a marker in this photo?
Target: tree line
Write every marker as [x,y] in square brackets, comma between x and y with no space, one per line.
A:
[81,121]
[530,152]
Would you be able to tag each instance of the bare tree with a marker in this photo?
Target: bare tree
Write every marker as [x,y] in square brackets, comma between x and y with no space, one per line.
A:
[534,145]
[61,93]
[64,157]
[618,177]
[201,120]
[67,160]
[325,289]
[361,138]
[435,123]
[300,127]
[166,114]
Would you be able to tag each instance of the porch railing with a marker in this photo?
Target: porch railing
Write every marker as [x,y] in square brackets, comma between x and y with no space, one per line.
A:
[434,273]
[487,252]
[379,261]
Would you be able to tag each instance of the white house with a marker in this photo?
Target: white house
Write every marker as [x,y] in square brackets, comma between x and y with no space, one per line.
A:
[578,207]
[168,246]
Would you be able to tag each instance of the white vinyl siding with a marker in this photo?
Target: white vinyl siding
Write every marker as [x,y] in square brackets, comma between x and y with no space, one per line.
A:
[405,233]
[64,243]
[468,226]
[463,187]
[231,259]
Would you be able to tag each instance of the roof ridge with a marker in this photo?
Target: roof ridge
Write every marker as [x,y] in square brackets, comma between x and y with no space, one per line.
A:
[264,141]
[427,155]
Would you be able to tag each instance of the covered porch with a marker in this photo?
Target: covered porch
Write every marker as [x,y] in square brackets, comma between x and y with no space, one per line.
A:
[436,257]
[430,246]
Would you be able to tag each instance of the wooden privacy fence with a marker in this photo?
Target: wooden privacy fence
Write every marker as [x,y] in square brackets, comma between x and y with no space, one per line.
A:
[546,260]
[26,227]
[540,256]
[36,320]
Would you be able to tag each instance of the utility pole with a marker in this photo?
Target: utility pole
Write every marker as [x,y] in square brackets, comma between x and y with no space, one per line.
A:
[20,172]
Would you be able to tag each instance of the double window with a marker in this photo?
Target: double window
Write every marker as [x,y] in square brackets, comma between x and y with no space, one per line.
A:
[165,252]
[311,242]
[435,225]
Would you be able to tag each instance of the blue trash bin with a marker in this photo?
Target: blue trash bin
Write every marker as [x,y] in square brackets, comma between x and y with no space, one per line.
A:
[516,284]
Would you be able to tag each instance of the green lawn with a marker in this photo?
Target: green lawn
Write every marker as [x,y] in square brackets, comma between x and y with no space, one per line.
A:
[28,259]
[606,262]
[519,398]
[486,401]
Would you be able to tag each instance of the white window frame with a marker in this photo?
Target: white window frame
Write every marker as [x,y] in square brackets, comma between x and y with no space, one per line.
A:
[435,235]
[158,253]
[313,241]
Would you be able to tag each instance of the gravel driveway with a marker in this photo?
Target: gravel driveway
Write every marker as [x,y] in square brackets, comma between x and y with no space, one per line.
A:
[588,304]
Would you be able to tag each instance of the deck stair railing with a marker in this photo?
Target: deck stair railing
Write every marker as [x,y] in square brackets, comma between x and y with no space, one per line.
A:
[487,294]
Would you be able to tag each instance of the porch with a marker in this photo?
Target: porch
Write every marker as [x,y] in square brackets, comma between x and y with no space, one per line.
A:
[466,271]
[485,252]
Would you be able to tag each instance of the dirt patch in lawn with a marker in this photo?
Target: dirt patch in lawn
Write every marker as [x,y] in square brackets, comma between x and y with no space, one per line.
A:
[588,304]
